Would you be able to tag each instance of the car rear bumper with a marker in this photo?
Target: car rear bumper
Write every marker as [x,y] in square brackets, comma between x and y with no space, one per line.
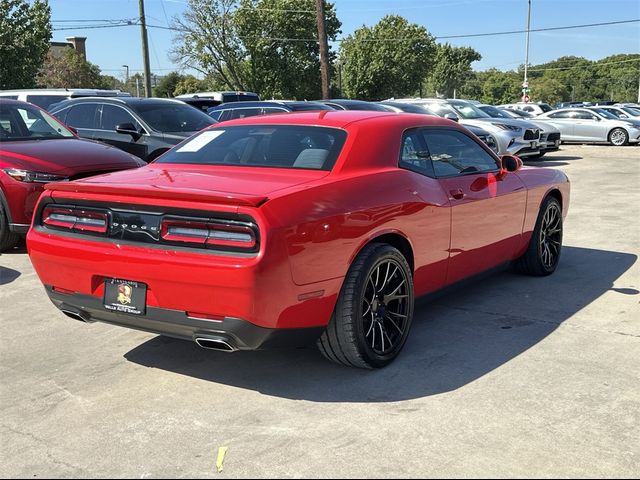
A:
[236,333]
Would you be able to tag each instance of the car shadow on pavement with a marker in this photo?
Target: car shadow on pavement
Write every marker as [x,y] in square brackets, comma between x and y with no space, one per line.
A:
[8,275]
[455,339]
[551,160]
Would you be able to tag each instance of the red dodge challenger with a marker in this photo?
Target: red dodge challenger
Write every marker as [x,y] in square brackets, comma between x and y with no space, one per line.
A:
[285,229]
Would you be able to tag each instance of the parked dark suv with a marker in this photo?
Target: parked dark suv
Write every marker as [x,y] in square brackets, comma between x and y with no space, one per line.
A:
[145,127]
[233,110]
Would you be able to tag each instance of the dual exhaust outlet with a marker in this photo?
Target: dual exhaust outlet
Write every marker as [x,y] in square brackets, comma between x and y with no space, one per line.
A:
[209,343]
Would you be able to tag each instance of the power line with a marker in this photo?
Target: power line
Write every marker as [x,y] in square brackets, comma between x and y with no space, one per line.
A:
[133,22]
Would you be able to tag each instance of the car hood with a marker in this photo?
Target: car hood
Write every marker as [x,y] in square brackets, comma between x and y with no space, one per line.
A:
[546,127]
[68,156]
[512,122]
[220,184]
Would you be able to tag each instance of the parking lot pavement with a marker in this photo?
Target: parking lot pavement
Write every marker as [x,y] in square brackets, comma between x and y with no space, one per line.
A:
[509,376]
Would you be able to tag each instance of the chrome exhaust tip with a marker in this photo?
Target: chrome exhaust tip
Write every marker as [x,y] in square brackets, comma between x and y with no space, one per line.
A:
[217,344]
[75,315]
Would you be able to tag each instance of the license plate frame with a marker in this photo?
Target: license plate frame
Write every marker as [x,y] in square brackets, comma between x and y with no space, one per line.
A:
[125,296]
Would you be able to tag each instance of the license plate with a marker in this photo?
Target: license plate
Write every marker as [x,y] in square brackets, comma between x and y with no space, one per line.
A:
[534,144]
[125,296]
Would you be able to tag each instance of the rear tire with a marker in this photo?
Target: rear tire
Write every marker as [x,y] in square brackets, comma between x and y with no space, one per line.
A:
[618,137]
[374,311]
[8,239]
[543,253]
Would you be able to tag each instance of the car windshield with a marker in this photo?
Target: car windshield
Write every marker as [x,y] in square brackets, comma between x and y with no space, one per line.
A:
[24,122]
[517,113]
[494,112]
[467,110]
[635,112]
[172,117]
[275,146]
[604,113]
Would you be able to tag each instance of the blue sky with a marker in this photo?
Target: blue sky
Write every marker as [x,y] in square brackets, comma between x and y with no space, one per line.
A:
[113,47]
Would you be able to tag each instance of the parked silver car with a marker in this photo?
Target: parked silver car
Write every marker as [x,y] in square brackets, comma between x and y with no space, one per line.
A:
[622,112]
[481,133]
[550,136]
[590,125]
[513,137]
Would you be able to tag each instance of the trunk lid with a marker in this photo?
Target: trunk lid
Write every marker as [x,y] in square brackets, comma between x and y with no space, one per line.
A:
[247,186]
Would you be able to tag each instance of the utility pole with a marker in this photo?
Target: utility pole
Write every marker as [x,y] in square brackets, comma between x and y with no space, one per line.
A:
[525,84]
[145,50]
[324,49]
[126,76]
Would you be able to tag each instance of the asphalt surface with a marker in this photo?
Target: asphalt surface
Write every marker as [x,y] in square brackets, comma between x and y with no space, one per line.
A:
[510,376]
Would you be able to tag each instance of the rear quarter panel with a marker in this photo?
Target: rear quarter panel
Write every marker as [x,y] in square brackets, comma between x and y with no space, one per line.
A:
[324,227]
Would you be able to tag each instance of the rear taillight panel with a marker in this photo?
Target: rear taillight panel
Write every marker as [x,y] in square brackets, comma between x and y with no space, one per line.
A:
[213,234]
[159,228]
[76,219]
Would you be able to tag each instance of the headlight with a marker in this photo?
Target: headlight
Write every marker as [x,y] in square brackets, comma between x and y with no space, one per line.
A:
[33,177]
[507,127]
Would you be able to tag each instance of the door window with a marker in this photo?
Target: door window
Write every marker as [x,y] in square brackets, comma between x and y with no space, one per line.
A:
[113,116]
[454,153]
[82,116]
[584,116]
[414,156]
[563,114]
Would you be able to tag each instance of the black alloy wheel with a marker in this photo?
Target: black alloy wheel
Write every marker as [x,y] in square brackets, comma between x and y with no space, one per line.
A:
[374,311]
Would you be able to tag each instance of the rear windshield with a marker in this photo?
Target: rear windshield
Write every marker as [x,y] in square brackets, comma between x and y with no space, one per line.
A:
[276,146]
[45,101]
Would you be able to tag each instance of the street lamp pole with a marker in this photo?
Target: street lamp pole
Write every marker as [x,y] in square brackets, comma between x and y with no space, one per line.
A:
[525,84]
[126,75]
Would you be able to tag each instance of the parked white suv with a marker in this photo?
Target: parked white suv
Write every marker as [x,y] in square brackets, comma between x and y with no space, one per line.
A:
[46,97]
[533,108]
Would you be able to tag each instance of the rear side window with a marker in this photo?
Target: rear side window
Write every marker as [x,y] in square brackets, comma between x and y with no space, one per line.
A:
[243,113]
[414,155]
[82,115]
[454,153]
[275,146]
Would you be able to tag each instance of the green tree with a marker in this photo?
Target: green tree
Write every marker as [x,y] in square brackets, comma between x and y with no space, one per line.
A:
[69,70]
[25,31]
[499,87]
[266,46]
[190,84]
[167,86]
[547,89]
[451,69]
[279,68]
[390,59]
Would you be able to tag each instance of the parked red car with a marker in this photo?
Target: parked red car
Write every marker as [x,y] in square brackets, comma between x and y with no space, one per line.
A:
[277,230]
[36,149]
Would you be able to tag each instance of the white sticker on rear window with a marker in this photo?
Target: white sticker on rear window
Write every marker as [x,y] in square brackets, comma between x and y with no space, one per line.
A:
[200,141]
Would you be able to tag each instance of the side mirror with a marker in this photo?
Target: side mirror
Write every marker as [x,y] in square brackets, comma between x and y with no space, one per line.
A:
[452,117]
[511,163]
[128,129]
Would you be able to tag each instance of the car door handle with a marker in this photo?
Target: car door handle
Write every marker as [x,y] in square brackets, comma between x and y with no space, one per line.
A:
[457,194]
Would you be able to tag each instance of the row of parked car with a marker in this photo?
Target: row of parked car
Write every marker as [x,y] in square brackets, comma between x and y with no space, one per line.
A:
[94,132]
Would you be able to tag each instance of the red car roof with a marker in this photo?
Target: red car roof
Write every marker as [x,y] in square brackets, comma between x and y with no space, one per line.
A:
[338,118]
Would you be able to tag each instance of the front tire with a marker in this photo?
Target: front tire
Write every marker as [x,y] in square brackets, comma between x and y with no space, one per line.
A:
[543,254]
[618,137]
[8,239]
[374,311]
